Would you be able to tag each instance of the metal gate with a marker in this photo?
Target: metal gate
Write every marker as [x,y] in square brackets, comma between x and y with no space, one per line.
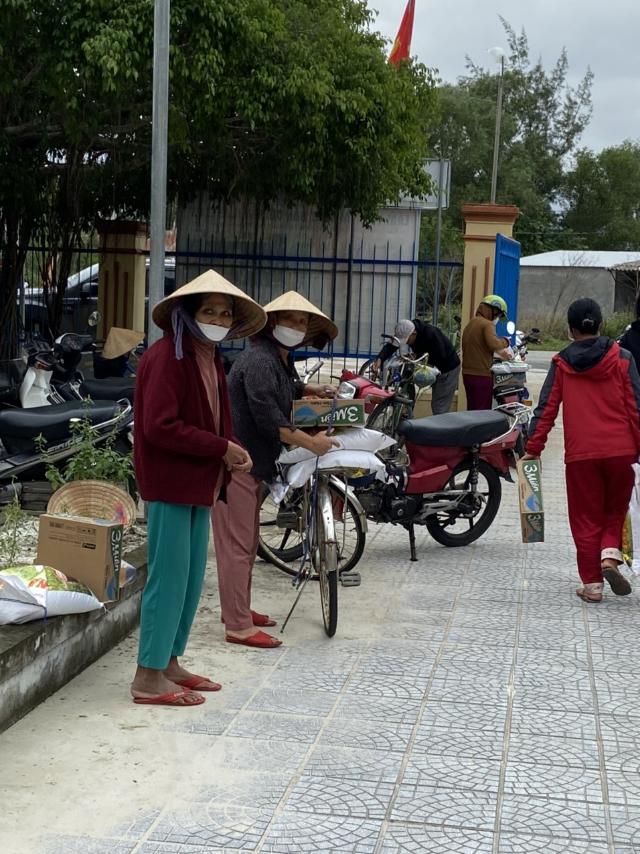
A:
[506,276]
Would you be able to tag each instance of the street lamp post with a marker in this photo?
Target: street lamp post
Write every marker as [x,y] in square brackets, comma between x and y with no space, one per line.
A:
[498,56]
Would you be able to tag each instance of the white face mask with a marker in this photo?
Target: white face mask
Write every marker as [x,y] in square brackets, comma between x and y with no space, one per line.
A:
[212,331]
[288,337]
[495,321]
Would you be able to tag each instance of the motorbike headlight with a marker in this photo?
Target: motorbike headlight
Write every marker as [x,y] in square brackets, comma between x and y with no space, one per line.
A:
[346,390]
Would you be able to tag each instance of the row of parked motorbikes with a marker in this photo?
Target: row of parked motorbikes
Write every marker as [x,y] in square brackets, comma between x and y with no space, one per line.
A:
[43,393]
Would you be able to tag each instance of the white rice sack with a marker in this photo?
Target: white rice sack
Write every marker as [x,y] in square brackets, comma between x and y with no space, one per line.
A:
[52,593]
[300,473]
[18,604]
[355,438]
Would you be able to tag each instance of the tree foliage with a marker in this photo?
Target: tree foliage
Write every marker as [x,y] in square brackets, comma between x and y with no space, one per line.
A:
[542,121]
[268,98]
[603,198]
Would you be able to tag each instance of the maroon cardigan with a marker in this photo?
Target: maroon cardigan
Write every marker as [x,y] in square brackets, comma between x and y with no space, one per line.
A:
[177,454]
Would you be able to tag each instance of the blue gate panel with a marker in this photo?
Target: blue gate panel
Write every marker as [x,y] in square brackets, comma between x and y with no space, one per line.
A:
[506,277]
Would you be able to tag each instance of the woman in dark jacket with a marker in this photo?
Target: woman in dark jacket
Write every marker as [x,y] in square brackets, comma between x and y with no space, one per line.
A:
[263,384]
[183,454]
[630,340]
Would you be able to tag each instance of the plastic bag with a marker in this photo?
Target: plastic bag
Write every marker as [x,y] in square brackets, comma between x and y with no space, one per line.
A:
[353,439]
[631,529]
[35,592]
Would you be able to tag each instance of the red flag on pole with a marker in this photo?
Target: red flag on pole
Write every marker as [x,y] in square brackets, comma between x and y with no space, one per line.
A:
[402,45]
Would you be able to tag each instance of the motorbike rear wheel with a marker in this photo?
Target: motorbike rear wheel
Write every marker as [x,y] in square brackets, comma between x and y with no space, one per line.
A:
[475,513]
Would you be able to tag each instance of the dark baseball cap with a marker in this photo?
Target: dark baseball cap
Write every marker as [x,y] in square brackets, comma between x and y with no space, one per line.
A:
[585,315]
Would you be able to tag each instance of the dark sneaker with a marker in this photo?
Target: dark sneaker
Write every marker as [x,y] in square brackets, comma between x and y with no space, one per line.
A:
[617,582]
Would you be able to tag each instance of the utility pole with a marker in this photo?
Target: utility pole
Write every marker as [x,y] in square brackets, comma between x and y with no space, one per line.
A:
[498,55]
[159,134]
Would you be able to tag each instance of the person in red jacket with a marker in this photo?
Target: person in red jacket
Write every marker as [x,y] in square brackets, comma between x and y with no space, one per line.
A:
[184,455]
[598,384]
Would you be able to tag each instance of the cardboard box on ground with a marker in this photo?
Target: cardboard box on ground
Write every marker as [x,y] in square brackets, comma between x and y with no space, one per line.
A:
[321,412]
[88,550]
[530,497]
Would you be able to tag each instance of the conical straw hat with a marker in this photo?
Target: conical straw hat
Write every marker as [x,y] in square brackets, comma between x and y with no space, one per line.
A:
[248,316]
[120,341]
[320,326]
[94,499]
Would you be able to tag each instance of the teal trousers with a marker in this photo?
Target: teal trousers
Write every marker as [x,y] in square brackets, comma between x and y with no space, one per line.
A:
[178,544]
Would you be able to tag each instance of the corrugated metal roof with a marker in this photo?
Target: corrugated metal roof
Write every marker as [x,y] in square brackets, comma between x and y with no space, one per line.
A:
[579,258]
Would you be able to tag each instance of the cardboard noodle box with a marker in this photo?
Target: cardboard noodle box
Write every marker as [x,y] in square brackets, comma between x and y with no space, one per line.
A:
[317,412]
[530,499]
[88,550]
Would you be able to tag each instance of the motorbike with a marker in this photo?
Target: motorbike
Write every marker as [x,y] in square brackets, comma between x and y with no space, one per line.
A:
[21,462]
[446,477]
[510,377]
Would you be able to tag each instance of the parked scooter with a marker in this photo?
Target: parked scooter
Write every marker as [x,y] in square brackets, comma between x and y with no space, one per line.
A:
[450,482]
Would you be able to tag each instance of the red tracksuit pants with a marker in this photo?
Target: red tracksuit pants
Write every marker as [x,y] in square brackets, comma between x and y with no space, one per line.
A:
[598,494]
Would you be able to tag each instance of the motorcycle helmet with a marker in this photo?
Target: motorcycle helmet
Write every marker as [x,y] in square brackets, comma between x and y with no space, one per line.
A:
[496,302]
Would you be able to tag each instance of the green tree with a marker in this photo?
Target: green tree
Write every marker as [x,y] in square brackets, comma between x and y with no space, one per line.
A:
[269,98]
[543,118]
[603,197]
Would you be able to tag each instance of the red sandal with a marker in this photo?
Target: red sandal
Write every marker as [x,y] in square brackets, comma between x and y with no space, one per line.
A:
[172,699]
[194,683]
[260,640]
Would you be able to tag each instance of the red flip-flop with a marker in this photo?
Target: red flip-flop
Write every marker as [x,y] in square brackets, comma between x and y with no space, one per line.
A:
[194,683]
[260,640]
[262,620]
[171,699]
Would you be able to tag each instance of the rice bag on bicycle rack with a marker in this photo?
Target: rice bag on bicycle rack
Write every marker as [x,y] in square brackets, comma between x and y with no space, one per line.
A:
[353,439]
[345,460]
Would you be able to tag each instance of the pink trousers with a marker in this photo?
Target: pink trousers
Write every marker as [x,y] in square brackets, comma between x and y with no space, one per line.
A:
[236,528]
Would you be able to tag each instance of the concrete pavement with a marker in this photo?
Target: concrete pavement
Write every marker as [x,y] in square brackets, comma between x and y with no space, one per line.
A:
[469,702]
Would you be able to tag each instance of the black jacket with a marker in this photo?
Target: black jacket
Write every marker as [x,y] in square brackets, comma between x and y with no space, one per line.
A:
[429,339]
[630,340]
[262,389]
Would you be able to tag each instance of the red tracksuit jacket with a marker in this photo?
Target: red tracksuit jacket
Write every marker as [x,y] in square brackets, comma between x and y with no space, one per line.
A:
[598,384]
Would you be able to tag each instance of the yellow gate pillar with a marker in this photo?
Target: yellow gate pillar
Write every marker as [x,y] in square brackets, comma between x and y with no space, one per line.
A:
[482,222]
[121,287]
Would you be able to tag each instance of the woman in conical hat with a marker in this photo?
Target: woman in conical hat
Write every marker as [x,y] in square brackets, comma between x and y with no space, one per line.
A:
[184,457]
[263,384]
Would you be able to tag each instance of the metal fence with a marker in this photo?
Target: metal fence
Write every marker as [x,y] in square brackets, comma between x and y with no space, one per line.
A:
[366,291]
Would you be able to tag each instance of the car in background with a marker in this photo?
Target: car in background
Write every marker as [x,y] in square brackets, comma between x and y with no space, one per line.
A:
[81,299]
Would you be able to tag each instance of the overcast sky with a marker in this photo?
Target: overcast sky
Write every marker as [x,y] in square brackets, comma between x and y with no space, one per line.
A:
[602,35]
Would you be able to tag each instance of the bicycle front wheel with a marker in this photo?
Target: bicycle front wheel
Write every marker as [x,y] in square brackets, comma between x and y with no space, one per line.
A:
[324,552]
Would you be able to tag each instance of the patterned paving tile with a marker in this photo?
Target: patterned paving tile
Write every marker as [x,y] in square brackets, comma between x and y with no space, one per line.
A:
[525,815]
[626,826]
[263,725]
[387,663]
[397,688]
[512,844]
[258,789]
[306,679]
[370,735]
[412,838]
[558,782]
[416,632]
[439,740]
[619,701]
[212,827]
[243,754]
[451,771]
[566,700]
[494,694]
[136,828]
[526,721]
[208,723]
[311,703]
[444,808]
[464,716]
[331,796]
[301,833]
[382,709]
[480,637]
[549,750]
[624,787]
[342,762]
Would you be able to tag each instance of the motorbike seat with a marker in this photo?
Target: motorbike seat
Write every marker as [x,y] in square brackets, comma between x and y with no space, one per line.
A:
[455,429]
[52,421]
[110,388]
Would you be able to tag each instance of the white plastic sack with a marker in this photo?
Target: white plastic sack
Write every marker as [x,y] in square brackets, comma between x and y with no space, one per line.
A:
[354,439]
[367,461]
[34,592]
[634,519]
